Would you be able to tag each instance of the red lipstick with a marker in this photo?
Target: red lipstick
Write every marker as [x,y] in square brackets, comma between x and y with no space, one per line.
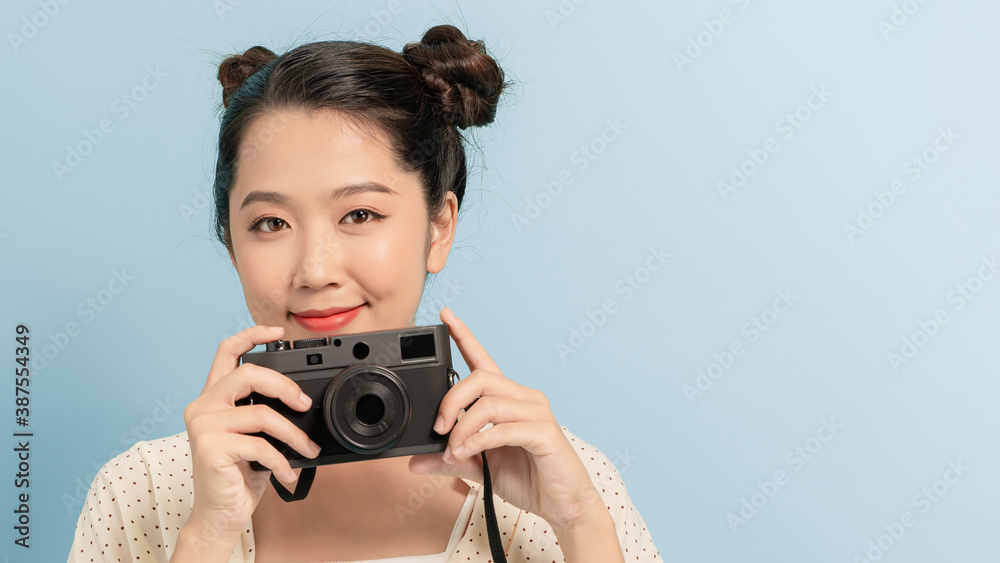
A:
[327,320]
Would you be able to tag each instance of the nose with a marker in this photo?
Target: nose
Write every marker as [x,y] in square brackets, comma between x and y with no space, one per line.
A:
[320,261]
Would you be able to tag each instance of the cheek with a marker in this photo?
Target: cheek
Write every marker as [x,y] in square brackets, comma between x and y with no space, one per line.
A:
[262,282]
[394,262]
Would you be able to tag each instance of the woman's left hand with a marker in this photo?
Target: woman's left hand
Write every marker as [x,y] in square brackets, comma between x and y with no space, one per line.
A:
[532,464]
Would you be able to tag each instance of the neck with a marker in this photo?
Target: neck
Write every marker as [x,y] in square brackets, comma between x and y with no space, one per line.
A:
[375,483]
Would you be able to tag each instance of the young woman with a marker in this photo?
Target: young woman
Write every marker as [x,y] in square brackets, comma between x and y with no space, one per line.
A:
[340,174]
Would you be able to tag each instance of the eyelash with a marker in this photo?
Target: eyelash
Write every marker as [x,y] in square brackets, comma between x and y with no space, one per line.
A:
[256,222]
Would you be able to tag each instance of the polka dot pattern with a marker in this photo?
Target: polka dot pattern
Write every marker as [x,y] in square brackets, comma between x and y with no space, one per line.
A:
[139,501]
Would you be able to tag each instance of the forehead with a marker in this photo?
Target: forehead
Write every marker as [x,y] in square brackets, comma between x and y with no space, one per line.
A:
[300,151]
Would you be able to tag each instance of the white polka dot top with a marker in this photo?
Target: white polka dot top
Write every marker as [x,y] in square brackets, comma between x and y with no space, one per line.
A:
[139,501]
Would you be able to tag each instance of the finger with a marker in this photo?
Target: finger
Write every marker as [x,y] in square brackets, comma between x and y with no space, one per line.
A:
[537,438]
[236,447]
[480,384]
[260,418]
[227,357]
[248,378]
[472,351]
[496,410]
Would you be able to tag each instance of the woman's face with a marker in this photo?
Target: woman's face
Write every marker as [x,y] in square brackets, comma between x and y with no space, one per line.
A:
[329,235]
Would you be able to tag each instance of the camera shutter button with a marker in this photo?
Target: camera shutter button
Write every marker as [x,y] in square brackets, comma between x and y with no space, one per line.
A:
[277,346]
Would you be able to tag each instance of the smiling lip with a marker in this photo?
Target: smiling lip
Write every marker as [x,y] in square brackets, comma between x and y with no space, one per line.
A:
[329,320]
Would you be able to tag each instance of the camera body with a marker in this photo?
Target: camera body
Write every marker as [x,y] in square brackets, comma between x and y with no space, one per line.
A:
[374,395]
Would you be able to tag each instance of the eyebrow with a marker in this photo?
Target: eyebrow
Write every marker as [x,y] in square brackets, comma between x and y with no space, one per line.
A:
[341,192]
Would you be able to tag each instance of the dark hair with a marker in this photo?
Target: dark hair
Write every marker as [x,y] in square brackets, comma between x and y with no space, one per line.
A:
[418,99]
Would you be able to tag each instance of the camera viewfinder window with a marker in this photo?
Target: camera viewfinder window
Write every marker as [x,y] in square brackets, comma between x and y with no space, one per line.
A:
[416,346]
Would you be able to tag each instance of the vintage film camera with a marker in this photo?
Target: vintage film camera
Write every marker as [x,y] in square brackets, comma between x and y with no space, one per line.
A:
[374,394]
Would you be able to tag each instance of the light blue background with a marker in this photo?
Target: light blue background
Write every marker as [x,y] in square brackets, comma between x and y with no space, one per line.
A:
[688,464]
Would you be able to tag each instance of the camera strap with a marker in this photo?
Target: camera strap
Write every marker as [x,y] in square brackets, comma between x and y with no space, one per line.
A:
[491,515]
[302,486]
[307,475]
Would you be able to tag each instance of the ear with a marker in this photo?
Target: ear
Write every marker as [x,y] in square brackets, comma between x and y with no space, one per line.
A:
[233,258]
[442,234]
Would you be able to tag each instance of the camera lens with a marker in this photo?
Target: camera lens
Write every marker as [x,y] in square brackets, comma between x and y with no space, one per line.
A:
[369,409]
[366,408]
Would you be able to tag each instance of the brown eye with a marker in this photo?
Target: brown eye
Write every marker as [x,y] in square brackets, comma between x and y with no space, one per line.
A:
[362,216]
[271,224]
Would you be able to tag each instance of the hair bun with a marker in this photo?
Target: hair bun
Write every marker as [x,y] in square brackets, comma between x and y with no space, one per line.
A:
[236,69]
[463,80]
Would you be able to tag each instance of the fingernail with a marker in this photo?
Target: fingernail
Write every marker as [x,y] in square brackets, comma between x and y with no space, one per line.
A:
[314,447]
[304,399]
[458,450]
[447,455]
[291,477]
[439,425]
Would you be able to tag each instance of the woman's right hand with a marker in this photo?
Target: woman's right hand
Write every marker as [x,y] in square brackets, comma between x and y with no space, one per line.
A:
[226,489]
